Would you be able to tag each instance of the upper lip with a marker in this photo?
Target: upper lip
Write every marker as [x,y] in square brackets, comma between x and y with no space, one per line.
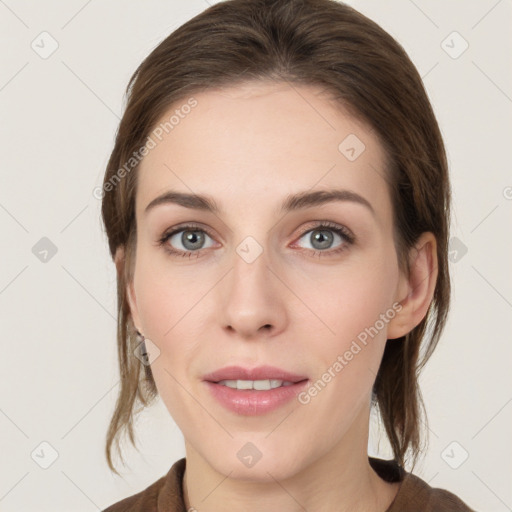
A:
[258,373]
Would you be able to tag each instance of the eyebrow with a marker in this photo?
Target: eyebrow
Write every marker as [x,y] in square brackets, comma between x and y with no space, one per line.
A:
[293,202]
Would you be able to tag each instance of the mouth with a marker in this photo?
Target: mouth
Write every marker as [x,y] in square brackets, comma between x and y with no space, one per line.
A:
[251,392]
[258,385]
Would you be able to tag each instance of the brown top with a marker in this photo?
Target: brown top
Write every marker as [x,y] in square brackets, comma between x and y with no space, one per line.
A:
[414,495]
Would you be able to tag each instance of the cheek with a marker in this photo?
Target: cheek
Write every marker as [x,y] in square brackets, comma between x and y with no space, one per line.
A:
[165,308]
[355,307]
[156,305]
[169,302]
[348,353]
[351,297]
[164,295]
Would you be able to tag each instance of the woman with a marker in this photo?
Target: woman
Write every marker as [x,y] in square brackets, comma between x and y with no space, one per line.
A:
[277,205]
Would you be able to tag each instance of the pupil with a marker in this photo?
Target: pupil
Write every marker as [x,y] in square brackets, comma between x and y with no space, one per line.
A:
[193,237]
[323,240]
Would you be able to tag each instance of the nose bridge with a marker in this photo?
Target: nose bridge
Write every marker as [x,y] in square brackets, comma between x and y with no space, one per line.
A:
[250,277]
[251,298]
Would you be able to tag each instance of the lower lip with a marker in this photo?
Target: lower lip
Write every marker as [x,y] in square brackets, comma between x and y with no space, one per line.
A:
[251,402]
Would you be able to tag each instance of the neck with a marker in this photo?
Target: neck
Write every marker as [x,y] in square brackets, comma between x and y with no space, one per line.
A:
[340,480]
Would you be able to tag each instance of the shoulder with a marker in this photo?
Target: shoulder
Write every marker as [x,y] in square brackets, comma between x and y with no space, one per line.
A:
[416,494]
[144,500]
[164,494]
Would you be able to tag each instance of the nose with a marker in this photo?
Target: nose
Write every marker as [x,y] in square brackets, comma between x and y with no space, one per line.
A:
[251,300]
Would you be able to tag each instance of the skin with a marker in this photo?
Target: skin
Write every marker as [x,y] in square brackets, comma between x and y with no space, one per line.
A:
[248,147]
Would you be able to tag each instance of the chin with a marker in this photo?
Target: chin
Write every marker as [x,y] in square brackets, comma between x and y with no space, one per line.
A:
[256,465]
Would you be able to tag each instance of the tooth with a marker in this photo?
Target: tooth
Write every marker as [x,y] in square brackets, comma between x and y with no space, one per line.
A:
[229,383]
[244,384]
[261,384]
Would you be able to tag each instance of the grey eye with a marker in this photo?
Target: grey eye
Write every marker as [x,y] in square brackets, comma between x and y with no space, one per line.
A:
[321,239]
[191,239]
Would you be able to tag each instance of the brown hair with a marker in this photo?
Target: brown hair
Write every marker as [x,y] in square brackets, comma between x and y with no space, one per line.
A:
[314,42]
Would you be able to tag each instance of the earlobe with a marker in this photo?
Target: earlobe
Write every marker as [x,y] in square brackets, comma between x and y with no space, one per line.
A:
[415,291]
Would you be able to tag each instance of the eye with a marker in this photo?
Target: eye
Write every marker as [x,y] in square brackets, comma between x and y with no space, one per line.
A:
[322,237]
[190,237]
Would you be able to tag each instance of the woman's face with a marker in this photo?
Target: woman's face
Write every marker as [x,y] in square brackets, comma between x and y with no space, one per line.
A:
[258,281]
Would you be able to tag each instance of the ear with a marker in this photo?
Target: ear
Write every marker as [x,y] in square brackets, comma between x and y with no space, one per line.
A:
[130,292]
[415,292]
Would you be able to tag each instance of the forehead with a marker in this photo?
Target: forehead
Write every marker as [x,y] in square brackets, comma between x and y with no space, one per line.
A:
[261,141]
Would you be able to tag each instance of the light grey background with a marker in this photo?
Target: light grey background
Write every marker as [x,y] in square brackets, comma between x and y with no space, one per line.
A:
[58,365]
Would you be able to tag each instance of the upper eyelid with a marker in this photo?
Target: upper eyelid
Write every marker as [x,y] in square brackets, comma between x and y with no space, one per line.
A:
[187,227]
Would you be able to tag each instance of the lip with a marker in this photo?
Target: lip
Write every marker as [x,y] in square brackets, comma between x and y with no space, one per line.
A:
[259,373]
[254,402]
[251,402]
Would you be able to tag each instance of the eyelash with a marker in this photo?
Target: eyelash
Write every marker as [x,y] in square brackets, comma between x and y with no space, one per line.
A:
[323,226]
